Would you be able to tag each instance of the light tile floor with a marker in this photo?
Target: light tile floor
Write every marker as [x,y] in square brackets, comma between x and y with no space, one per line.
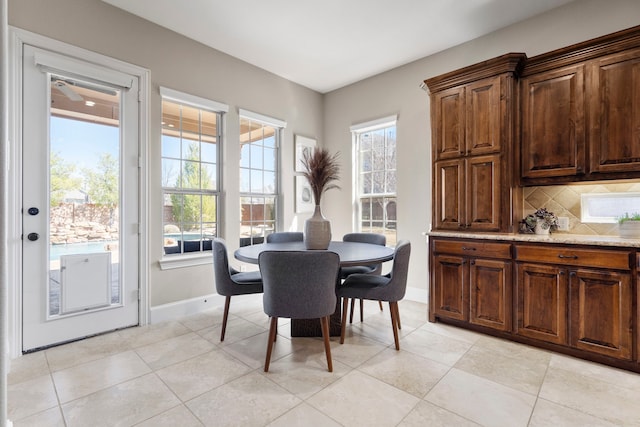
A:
[179,374]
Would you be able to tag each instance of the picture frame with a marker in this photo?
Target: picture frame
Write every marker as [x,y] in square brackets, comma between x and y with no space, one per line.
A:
[302,144]
[304,196]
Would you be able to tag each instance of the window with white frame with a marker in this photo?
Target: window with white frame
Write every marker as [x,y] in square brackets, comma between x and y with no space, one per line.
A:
[375,177]
[608,207]
[259,173]
[191,138]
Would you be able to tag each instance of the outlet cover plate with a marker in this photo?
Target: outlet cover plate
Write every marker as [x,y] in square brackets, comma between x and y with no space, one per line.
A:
[563,223]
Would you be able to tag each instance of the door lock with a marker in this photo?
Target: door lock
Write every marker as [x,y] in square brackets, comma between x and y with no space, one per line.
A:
[33,236]
[33,211]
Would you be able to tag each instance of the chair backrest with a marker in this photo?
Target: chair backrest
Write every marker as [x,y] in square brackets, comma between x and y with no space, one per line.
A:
[299,284]
[221,273]
[285,236]
[398,283]
[373,238]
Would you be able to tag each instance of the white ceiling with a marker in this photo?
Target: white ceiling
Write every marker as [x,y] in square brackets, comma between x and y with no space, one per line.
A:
[328,44]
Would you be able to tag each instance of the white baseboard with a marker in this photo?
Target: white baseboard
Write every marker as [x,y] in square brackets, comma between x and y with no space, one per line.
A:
[178,309]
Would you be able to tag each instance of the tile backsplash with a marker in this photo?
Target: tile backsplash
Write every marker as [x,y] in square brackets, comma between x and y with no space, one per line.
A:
[564,200]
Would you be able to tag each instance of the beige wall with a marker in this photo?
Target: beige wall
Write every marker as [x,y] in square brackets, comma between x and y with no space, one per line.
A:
[184,65]
[398,92]
[181,64]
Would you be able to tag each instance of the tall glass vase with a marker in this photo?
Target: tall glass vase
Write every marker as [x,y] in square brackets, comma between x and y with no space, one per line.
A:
[317,231]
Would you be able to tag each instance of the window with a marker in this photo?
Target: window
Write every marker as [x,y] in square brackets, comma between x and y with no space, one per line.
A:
[375,148]
[259,171]
[608,207]
[191,136]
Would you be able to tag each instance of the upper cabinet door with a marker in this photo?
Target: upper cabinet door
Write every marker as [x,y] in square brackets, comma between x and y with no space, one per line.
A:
[553,123]
[448,123]
[483,117]
[615,113]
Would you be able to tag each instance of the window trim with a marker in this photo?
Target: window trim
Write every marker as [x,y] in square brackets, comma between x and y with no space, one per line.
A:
[190,259]
[279,126]
[192,100]
[356,131]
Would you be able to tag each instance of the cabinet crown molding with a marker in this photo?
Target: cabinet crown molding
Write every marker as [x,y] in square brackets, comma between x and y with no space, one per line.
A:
[507,63]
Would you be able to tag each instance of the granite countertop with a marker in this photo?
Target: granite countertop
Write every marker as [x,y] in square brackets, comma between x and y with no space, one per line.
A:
[557,237]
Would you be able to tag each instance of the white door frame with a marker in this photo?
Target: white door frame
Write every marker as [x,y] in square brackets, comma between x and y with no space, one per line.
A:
[18,37]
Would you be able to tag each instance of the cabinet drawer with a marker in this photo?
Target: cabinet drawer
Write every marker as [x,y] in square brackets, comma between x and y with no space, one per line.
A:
[565,255]
[474,248]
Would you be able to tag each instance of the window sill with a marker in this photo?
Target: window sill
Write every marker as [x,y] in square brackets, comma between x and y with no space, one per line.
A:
[181,261]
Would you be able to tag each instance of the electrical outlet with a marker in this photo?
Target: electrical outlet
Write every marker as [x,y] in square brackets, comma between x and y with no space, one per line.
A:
[563,223]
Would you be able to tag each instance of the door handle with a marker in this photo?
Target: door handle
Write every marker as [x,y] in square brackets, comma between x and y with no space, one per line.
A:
[33,236]
[33,211]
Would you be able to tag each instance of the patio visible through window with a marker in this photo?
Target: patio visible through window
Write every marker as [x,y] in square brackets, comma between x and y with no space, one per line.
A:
[258,179]
[190,144]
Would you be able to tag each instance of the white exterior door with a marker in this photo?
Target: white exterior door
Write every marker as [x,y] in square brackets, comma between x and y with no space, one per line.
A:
[80,238]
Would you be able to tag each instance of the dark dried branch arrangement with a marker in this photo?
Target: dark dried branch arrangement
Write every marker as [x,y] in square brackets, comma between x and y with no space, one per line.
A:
[321,170]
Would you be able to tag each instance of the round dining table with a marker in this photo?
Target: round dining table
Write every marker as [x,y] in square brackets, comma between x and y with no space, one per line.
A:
[350,253]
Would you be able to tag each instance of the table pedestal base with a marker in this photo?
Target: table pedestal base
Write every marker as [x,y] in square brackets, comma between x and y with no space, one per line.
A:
[311,327]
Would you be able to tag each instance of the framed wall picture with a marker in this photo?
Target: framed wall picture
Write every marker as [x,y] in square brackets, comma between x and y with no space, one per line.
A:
[304,197]
[303,144]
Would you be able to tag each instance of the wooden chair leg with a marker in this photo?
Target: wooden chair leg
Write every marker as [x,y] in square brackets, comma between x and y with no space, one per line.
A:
[393,307]
[343,326]
[398,316]
[380,304]
[361,309]
[225,316]
[324,324]
[272,337]
[353,301]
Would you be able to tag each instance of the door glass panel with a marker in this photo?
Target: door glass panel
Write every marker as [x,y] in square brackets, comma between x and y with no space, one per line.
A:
[84,196]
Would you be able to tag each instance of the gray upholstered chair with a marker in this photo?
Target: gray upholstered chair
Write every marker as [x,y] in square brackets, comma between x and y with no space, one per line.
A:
[230,282]
[299,285]
[374,239]
[285,236]
[390,287]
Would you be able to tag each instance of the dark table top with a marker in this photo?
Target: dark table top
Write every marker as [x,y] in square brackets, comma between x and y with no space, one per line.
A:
[350,253]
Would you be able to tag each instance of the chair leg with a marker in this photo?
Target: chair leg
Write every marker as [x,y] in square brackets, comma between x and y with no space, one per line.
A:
[225,316]
[272,337]
[361,309]
[324,323]
[393,309]
[380,304]
[343,326]
[398,316]
[353,301]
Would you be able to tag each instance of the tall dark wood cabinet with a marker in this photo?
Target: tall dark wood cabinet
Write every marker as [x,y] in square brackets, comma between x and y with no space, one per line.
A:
[473,113]
[570,115]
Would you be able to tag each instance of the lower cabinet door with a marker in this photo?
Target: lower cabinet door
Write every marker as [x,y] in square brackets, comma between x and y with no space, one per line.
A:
[542,302]
[490,289]
[450,287]
[601,312]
